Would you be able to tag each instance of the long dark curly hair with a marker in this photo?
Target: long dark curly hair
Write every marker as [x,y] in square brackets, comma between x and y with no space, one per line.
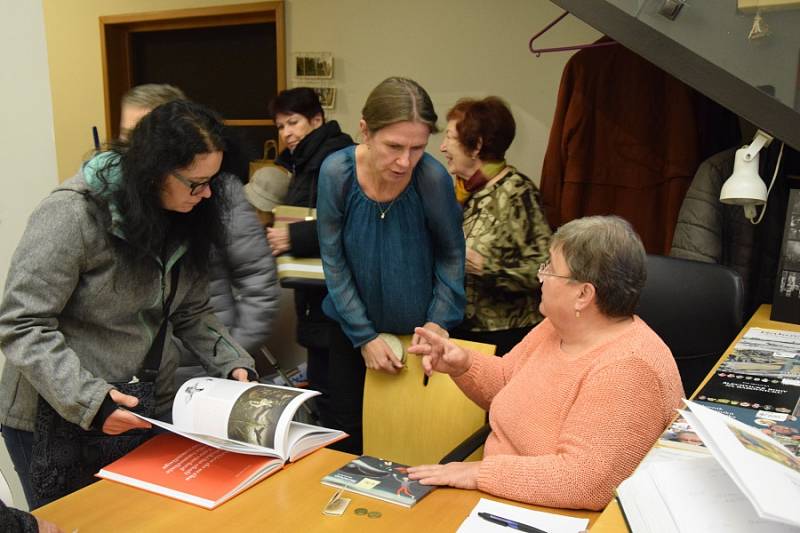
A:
[166,139]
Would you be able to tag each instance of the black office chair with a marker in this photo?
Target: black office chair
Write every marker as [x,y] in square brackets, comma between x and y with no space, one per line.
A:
[696,308]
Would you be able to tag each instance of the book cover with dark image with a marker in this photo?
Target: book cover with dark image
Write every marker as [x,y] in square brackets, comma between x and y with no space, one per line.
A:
[378,478]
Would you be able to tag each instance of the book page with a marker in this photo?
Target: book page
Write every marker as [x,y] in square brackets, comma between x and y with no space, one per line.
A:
[701,497]
[250,418]
[305,438]
[767,473]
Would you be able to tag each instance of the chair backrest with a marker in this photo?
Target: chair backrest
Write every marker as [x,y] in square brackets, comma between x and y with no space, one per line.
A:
[412,423]
[696,308]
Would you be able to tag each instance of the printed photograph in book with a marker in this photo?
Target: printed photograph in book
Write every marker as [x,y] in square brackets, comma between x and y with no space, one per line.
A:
[255,414]
[765,448]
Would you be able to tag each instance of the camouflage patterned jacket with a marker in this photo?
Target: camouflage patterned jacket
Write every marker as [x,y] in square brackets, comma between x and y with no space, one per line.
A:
[504,222]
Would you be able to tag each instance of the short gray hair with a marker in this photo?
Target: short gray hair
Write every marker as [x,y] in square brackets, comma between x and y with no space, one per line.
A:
[606,252]
[152,95]
[398,100]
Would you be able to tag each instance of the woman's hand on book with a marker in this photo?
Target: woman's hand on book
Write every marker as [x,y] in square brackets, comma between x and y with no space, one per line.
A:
[440,354]
[378,356]
[459,475]
[121,420]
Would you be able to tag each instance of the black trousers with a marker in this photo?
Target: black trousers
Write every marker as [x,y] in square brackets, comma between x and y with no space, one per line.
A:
[504,339]
[317,370]
[346,371]
[19,444]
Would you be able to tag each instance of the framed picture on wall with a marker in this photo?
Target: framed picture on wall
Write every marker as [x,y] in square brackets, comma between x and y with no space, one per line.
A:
[313,65]
[327,96]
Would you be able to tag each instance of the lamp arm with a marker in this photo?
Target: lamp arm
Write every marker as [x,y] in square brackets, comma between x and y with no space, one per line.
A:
[760,140]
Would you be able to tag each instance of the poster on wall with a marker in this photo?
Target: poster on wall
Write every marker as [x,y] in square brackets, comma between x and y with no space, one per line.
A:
[786,299]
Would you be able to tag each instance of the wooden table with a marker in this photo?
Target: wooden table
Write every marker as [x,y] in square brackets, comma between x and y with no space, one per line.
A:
[611,520]
[291,500]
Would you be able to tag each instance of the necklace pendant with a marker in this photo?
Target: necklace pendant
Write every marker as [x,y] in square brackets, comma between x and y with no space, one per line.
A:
[383,215]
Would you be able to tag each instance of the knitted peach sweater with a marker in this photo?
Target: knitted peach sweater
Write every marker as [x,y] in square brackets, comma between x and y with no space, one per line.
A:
[566,430]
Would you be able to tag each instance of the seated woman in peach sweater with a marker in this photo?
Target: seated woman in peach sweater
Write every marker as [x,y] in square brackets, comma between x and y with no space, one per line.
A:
[576,405]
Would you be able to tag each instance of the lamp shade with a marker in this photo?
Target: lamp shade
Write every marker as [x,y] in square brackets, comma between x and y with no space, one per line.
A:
[745,186]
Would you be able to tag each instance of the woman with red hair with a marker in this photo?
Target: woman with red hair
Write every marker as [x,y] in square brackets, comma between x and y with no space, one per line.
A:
[506,231]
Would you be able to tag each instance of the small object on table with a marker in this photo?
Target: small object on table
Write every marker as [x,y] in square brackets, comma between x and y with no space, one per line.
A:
[337,505]
[374,514]
[361,511]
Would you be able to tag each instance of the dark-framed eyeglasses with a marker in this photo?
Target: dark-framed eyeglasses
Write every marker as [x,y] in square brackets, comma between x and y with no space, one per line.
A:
[195,187]
[544,270]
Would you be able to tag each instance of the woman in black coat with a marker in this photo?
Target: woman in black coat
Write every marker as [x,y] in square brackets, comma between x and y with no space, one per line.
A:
[309,139]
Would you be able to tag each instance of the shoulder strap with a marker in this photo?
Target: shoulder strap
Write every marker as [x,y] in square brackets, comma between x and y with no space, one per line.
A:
[153,359]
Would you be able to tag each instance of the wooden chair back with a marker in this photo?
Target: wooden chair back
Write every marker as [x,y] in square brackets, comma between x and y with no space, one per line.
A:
[409,422]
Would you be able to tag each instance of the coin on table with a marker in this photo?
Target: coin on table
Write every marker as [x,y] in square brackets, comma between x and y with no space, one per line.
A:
[361,511]
[374,514]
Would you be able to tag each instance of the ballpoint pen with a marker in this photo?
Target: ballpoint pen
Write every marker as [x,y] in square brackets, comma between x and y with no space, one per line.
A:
[493,518]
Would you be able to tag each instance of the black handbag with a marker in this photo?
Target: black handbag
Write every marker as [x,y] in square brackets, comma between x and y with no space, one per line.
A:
[65,457]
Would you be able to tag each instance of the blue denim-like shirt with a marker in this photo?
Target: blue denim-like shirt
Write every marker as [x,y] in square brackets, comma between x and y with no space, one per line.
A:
[393,274]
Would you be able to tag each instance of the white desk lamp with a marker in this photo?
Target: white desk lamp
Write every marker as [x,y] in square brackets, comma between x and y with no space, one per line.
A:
[745,186]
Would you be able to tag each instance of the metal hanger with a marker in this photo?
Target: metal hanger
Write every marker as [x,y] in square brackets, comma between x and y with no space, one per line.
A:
[540,51]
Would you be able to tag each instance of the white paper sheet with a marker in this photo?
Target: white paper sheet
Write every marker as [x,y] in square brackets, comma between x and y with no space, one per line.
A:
[549,522]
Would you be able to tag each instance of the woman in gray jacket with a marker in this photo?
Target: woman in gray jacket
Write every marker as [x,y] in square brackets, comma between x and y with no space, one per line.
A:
[88,282]
[243,279]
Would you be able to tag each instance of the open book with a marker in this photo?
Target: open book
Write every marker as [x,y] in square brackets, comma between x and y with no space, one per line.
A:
[251,418]
[751,483]
[225,425]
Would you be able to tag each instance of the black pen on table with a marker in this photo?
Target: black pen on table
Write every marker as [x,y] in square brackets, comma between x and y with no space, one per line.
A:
[507,522]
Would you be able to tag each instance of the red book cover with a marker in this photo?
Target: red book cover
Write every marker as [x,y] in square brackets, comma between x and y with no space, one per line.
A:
[189,471]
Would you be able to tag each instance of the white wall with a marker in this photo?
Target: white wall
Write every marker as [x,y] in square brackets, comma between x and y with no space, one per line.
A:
[27,146]
[453,48]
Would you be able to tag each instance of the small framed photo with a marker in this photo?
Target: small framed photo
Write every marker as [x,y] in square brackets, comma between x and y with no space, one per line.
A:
[327,96]
[313,65]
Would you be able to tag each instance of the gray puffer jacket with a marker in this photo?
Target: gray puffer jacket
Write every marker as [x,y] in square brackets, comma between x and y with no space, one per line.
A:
[708,230]
[75,317]
[243,283]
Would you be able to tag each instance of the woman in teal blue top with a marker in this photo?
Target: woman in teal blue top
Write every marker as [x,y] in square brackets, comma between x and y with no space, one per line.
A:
[391,243]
